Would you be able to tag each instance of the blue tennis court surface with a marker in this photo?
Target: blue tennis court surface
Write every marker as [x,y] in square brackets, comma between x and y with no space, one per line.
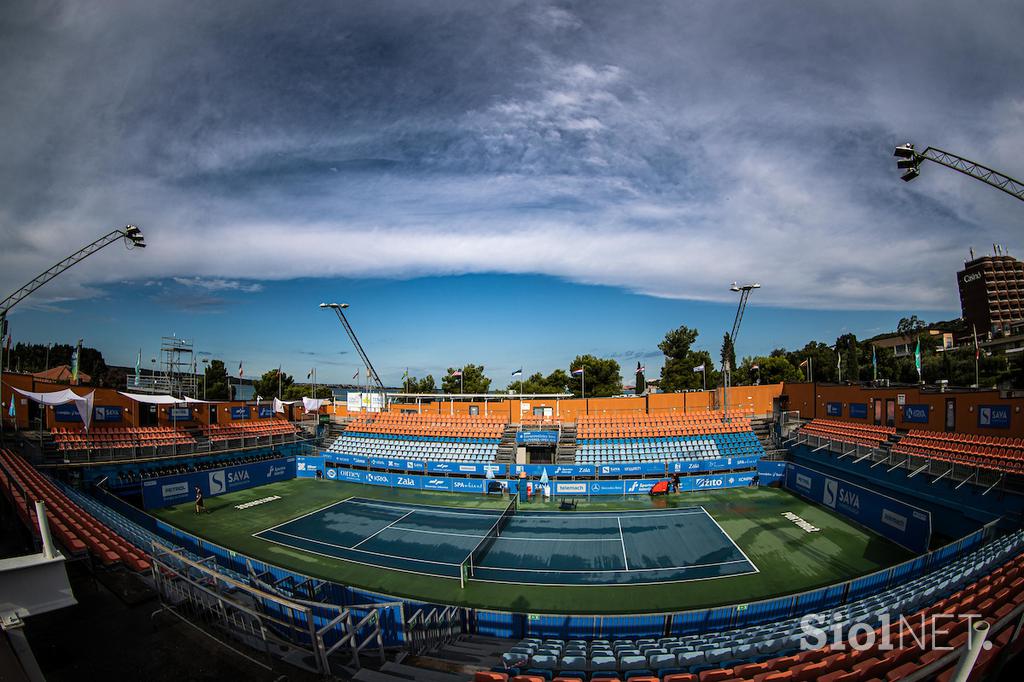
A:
[538,548]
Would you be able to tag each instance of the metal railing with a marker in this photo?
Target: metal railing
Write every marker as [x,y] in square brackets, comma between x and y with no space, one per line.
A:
[427,629]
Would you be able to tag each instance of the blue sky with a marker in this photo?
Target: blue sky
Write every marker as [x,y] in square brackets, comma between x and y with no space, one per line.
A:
[441,164]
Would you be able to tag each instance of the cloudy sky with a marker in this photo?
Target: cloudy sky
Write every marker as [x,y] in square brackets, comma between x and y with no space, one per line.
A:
[503,183]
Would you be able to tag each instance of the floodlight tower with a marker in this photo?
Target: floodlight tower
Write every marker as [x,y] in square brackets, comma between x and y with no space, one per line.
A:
[744,292]
[339,308]
[129,234]
[910,160]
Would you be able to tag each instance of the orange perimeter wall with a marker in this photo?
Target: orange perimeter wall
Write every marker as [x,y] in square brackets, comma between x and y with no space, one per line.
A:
[810,399]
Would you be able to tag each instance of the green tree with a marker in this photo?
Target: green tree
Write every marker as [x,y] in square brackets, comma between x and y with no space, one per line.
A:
[217,381]
[677,373]
[267,385]
[603,376]
[823,360]
[910,326]
[771,369]
[556,382]
[473,380]
[424,385]
[641,381]
[300,391]
[848,349]
[728,351]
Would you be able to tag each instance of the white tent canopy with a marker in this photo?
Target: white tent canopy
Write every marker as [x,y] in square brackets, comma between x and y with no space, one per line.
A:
[279,404]
[153,399]
[54,398]
[205,402]
[312,404]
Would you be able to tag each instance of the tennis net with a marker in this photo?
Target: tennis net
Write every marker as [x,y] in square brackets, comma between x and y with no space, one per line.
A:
[489,539]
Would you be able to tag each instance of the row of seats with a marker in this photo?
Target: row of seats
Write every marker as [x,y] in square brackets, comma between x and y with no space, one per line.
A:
[253,429]
[75,529]
[854,434]
[438,451]
[992,451]
[129,476]
[642,426]
[732,650]
[955,437]
[457,426]
[988,462]
[669,449]
[70,440]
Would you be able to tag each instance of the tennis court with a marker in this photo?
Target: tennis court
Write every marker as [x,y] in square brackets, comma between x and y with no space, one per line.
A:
[527,547]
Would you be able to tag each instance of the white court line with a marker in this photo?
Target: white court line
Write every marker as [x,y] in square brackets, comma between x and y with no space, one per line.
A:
[361,551]
[370,537]
[414,507]
[756,569]
[503,537]
[617,570]
[354,561]
[333,504]
[623,541]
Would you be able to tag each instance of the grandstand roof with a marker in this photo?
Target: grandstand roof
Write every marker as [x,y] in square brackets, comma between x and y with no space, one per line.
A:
[61,374]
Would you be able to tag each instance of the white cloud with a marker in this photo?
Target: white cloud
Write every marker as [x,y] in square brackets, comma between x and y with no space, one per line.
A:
[669,152]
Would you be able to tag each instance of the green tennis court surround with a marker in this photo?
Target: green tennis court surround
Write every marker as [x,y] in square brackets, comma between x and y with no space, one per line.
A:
[674,533]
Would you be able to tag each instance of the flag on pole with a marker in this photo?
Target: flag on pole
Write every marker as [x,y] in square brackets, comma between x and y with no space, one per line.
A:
[917,358]
[517,373]
[839,360]
[700,368]
[578,372]
[138,367]
[75,354]
[406,374]
[456,373]
[640,368]
[240,369]
[356,375]
[9,338]
[977,350]
[309,375]
[10,412]
[804,363]
[874,362]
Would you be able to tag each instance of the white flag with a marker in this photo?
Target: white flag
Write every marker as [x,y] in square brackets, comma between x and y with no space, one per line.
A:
[698,368]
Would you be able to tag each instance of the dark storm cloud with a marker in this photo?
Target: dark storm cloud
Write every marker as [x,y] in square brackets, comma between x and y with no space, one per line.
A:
[668,148]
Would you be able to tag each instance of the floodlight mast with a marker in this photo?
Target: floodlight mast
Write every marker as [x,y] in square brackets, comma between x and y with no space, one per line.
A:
[337,308]
[910,160]
[744,292]
[130,234]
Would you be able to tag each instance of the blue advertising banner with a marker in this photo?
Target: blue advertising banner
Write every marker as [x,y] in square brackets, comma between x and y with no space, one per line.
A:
[631,469]
[468,485]
[265,411]
[396,464]
[859,410]
[713,464]
[352,460]
[554,470]
[769,473]
[306,466]
[168,490]
[437,483]
[107,413]
[66,413]
[537,437]
[180,414]
[240,412]
[994,416]
[343,474]
[915,414]
[468,468]
[834,409]
[898,521]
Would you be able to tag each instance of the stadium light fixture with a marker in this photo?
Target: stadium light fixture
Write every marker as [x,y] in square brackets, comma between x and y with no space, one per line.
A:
[334,305]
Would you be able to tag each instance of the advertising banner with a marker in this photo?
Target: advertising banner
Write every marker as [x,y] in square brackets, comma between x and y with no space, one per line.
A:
[834,409]
[537,437]
[904,524]
[468,468]
[306,466]
[240,412]
[770,473]
[66,413]
[859,410]
[631,469]
[168,490]
[180,414]
[994,416]
[915,414]
[713,464]
[554,470]
[266,411]
[106,413]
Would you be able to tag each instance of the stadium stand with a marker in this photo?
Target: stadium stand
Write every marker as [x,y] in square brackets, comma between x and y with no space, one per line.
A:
[457,438]
[72,441]
[645,438]
[77,530]
[848,432]
[1004,455]
[243,430]
[128,476]
[989,582]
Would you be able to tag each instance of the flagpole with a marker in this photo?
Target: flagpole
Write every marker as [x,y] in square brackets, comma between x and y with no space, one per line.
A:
[977,380]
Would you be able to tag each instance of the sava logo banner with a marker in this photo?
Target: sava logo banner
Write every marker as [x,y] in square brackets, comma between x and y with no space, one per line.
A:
[902,523]
[182,488]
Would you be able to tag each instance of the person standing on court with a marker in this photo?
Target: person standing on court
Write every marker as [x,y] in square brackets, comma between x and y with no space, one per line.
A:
[200,507]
